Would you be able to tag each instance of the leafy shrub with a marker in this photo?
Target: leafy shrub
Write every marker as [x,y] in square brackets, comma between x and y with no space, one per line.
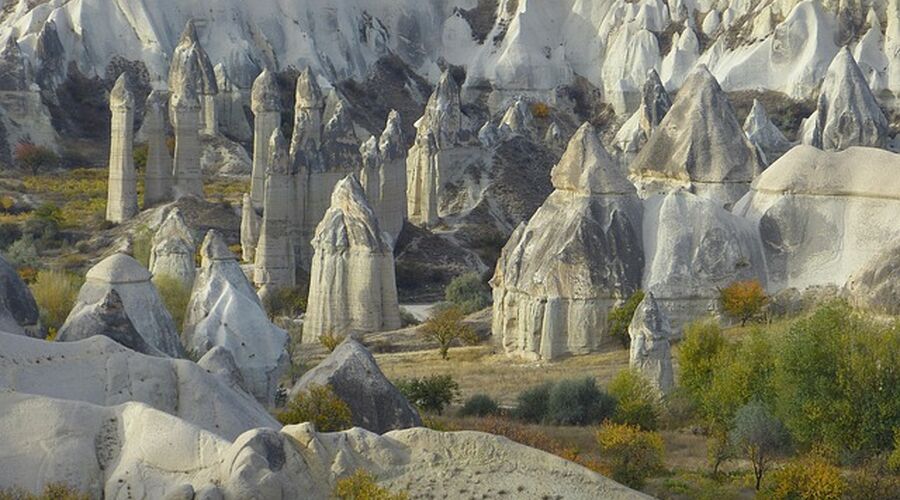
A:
[361,485]
[540,110]
[893,460]
[578,402]
[331,340]
[807,477]
[446,327]
[431,394]
[320,406]
[468,293]
[55,293]
[532,403]
[34,157]
[703,341]
[175,295]
[23,253]
[758,435]
[743,300]
[479,405]
[44,223]
[286,301]
[631,454]
[55,491]
[637,401]
[408,319]
[620,318]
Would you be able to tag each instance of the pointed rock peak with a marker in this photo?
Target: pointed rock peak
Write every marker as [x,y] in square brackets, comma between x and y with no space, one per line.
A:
[872,20]
[265,96]
[350,198]
[189,35]
[758,119]
[157,100]
[587,168]
[701,78]
[391,143]
[340,125]
[279,154]
[447,89]
[649,318]
[174,227]
[119,268]
[655,101]
[844,66]
[120,96]
[518,116]
[369,152]
[308,92]
[111,304]
[214,249]
[554,134]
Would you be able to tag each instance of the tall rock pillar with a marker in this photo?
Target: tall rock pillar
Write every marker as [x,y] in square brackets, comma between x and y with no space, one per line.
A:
[122,203]
[274,267]
[265,102]
[185,112]
[158,173]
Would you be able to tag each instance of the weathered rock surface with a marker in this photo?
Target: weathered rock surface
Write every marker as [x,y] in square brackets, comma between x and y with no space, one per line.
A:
[122,201]
[219,362]
[875,285]
[174,250]
[107,318]
[353,374]
[158,180]
[224,311]
[383,176]
[274,265]
[102,372]
[764,134]
[651,353]
[143,306]
[352,284]
[185,112]
[655,103]
[823,215]
[847,113]
[18,311]
[699,145]
[266,105]
[191,66]
[582,251]
[157,455]
[693,248]
[250,222]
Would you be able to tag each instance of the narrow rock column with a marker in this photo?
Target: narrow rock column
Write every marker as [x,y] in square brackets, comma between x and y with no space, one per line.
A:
[249,229]
[121,203]
[158,174]
[651,353]
[275,266]
[383,176]
[265,102]
[309,112]
[185,111]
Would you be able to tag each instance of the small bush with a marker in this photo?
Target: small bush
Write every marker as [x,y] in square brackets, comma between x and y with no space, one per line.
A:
[55,293]
[808,477]
[361,485]
[540,110]
[479,405]
[34,157]
[286,302]
[23,253]
[703,341]
[620,318]
[758,436]
[632,455]
[637,402]
[320,406]
[41,229]
[446,327]
[578,402]
[743,300]
[331,340]
[175,295]
[468,293]
[431,394]
[532,403]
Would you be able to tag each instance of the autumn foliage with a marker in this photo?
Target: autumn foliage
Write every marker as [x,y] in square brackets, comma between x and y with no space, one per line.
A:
[743,300]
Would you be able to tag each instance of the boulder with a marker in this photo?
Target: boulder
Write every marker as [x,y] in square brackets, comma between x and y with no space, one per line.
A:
[352,284]
[219,362]
[353,374]
[699,145]
[823,215]
[142,302]
[173,252]
[224,311]
[560,273]
[18,311]
[107,318]
[101,372]
[651,353]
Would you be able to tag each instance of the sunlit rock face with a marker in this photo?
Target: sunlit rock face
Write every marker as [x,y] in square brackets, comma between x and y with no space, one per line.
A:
[823,215]
[352,284]
[582,251]
[650,349]
[174,250]
[699,145]
[764,134]
[122,200]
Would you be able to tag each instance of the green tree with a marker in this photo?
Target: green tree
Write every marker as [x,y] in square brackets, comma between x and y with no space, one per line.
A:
[578,402]
[632,455]
[432,393]
[637,401]
[361,485]
[620,318]
[743,300]
[468,292]
[320,406]
[446,327]
[34,157]
[697,355]
[759,436]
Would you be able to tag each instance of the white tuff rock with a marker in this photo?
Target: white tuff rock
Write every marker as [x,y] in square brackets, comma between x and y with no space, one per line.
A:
[184,110]
[265,102]
[275,265]
[158,181]
[764,134]
[383,176]
[122,202]
[174,250]
[651,353]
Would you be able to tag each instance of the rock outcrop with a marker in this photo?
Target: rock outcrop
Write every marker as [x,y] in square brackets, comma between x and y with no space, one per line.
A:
[19,312]
[560,273]
[693,248]
[137,451]
[265,102]
[847,113]
[185,113]
[224,311]
[99,371]
[764,134]
[518,118]
[191,64]
[375,404]
[651,353]
[383,176]
[309,112]
[655,103]
[250,222]
[174,250]
[699,145]
[143,305]
[158,183]
[107,318]
[823,215]
[274,266]
[122,200]
[352,284]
